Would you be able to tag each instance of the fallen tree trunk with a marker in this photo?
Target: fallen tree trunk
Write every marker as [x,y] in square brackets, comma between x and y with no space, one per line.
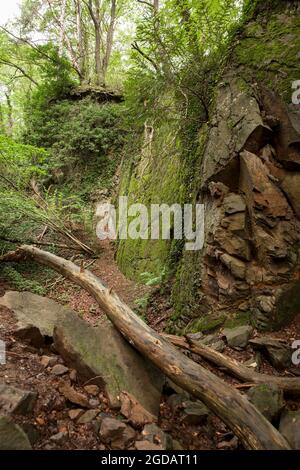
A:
[289,385]
[234,409]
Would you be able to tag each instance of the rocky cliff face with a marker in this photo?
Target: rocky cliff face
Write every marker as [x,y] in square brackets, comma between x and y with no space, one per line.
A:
[248,176]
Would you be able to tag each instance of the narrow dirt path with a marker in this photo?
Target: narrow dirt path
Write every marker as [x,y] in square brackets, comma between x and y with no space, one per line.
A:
[107,269]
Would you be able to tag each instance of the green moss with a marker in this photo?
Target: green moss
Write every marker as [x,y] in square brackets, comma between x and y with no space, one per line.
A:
[265,49]
[238,319]
[156,176]
[205,324]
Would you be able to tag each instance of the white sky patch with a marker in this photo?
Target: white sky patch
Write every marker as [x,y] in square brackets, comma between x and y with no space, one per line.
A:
[9,9]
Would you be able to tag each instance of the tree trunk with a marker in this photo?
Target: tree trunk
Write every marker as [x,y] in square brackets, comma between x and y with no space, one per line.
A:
[80,40]
[233,408]
[109,37]
[10,121]
[62,27]
[96,17]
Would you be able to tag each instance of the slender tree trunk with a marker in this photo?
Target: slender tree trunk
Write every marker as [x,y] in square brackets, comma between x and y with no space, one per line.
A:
[96,17]
[10,121]
[80,40]
[62,27]
[110,37]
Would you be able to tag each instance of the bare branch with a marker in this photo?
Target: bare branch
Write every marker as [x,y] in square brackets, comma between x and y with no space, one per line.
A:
[17,67]
[137,48]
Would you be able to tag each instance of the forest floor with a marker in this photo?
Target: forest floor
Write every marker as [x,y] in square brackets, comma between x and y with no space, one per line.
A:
[51,414]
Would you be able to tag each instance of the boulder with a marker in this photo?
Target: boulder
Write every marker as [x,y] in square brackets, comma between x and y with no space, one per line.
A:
[238,337]
[103,354]
[116,434]
[33,310]
[12,437]
[277,351]
[290,427]
[16,401]
[268,399]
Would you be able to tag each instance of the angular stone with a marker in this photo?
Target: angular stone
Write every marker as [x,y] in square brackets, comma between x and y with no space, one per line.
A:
[88,416]
[102,353]
[35,310]
[277,351]
[260,192]
[74,414]
[48,361]
[134,412]
[290,427]
[157,436]
[60,437]
[16,401]
[236,266]
[116,434]
[73,396]
[195,412]
[238,125]
[238,337]
[268,399]
[234,203]
[59,369]
[12,437]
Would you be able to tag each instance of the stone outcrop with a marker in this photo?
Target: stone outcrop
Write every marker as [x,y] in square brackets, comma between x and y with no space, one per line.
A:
[246,172]
[98,353]
[102,353]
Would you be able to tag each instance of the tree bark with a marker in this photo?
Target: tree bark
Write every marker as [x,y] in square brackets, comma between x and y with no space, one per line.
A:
[289,385]
[62,27]
[233,408]
[80,40]
[110,37]
[96,18]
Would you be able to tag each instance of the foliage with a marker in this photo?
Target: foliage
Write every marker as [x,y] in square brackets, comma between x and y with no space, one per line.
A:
[20,282]
[75,131]
[181,49]
[149,280]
